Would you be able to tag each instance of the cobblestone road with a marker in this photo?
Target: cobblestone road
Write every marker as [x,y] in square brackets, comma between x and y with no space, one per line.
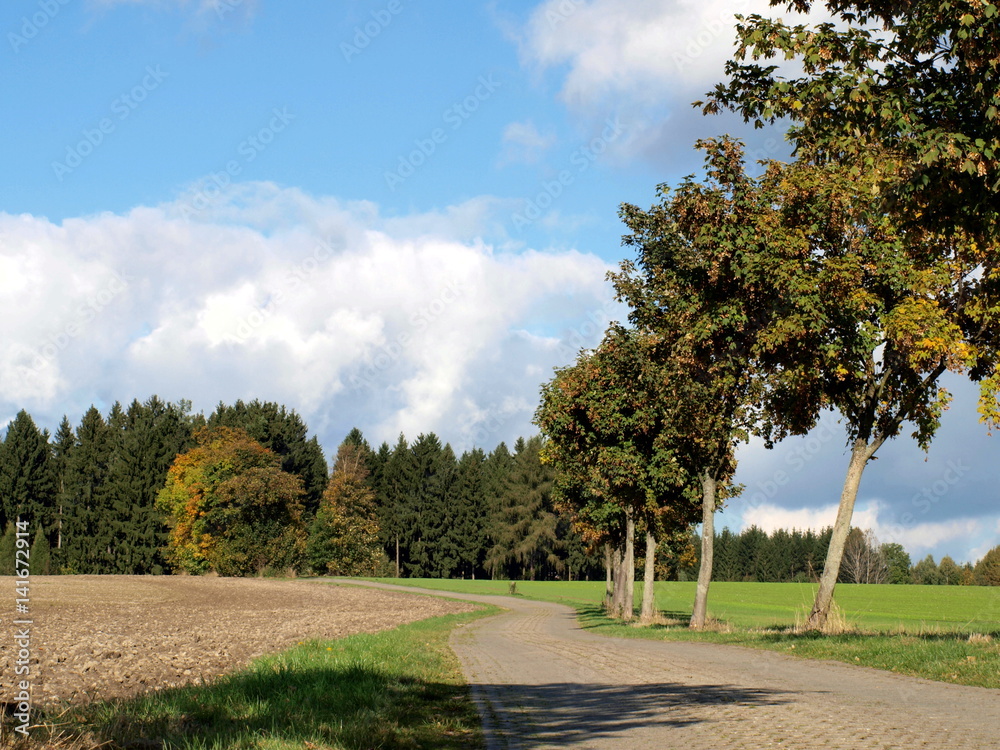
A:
[543,682]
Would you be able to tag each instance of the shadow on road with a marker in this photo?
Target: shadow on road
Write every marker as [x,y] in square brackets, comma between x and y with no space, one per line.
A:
[573,713]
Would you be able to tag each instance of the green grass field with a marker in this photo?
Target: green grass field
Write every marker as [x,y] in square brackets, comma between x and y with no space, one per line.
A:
[946,633]
[911,609]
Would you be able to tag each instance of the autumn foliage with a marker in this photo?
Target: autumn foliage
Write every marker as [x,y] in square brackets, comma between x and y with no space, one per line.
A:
[230,507]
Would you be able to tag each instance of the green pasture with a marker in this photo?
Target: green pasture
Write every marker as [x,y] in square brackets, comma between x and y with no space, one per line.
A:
[910,609]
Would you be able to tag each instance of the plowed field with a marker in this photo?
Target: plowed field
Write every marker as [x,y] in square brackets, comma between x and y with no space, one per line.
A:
[113,636]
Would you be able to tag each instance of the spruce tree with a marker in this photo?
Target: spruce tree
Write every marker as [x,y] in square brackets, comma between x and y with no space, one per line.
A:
[26,485]
[62,446]
[87,470]
[40,559]
[8,547]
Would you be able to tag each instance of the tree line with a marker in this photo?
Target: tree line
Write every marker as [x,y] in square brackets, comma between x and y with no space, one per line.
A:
[850,279]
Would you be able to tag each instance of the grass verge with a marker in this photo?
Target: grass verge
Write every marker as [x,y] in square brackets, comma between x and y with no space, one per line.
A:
[401,688]
[944,633]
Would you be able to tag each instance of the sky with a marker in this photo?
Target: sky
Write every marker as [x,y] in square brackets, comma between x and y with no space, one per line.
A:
[388,214]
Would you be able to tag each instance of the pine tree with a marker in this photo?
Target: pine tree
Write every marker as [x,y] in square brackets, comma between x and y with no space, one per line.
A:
[26,485]
[8,547]
[40,559]
[528,525]
[86,472]
[62,446]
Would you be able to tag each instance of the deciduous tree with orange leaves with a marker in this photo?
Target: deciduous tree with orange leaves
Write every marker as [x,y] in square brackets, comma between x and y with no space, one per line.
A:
[230,507]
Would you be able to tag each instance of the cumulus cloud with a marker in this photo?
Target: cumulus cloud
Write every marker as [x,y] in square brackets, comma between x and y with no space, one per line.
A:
[966,539]
[646,60]
[410,324]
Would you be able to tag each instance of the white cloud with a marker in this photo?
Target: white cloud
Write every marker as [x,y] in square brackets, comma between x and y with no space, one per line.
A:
[522,143]
[410,324]
[645,60]
[965,539]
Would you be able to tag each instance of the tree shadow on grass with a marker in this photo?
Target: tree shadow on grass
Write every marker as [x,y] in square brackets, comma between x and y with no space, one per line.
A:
[570,714]
[352,707]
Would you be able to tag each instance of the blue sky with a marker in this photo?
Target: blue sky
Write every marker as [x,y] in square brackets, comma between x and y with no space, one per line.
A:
[392,214]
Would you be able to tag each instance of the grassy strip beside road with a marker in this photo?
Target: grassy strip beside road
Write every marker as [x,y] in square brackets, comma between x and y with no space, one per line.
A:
[398,688]
[947,633]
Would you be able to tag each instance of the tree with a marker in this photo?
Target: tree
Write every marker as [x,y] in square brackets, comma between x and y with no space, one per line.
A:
[863,560]
[145,439]
[231,508]
[284,432]
[62,445]
[8,550]
[26,483]
[527,534]
[927,573]
[897,562]
[344,538]
[40,558]
[610,437]
[951,573]
[86,471]
[987,570]
[918,80]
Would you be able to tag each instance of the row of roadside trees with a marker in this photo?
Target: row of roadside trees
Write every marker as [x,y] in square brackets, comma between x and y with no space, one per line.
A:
[848,280]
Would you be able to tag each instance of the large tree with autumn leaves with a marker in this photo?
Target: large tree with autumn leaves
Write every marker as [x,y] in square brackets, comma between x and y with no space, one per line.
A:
[802,278]
[231,508]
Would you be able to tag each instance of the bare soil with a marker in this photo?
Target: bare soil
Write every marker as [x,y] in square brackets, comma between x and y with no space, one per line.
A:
[99,637]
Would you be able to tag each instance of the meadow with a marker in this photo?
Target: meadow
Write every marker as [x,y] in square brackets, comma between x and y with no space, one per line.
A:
[866,607]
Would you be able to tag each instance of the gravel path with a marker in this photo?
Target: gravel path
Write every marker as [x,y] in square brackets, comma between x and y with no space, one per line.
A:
[543,682]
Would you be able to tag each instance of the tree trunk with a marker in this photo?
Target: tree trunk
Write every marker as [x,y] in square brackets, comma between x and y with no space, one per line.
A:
[860,453]
[700,612]
[609,587]
[397,556]
[649,581]
[629,599]
[618,592]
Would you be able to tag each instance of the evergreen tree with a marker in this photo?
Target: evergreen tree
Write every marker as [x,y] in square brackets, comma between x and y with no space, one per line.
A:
[396,488]
[86,472]
[528,540]
[429,512]
[145,440]
[62,445]
[469,507]
[26,486]
[987,570]
[40,558]
[8,547]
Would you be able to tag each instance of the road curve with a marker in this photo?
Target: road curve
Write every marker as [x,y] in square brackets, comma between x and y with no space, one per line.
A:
[541,681]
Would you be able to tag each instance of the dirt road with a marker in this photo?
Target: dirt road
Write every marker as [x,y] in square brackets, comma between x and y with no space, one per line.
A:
[541,681]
